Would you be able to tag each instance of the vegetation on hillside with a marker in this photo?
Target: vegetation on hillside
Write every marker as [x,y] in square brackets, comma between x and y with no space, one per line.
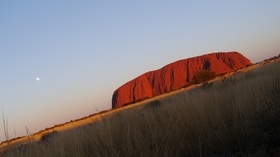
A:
[236,116]
[202,76]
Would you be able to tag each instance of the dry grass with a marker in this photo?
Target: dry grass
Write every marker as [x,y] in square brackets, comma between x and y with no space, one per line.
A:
[238,116]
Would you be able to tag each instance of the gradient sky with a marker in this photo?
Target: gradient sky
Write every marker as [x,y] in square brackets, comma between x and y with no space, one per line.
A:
[84,50]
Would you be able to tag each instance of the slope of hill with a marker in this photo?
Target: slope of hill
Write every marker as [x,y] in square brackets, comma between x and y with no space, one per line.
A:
[236,114]
[176,75]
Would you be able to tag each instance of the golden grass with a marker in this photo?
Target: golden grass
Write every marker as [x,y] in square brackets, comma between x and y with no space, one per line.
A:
[235,116]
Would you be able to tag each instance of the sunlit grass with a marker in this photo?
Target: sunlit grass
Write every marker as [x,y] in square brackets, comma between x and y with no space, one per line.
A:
[237,116]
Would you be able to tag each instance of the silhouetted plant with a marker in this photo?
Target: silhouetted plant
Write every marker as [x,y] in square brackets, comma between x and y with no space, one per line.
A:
[202,76]
[229,80]
[206,85]
[46,137]
[6,128]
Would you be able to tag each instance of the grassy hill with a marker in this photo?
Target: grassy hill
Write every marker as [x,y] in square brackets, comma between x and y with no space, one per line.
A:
[237,115]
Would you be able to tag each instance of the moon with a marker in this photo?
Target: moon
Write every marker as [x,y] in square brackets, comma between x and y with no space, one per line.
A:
[37,78]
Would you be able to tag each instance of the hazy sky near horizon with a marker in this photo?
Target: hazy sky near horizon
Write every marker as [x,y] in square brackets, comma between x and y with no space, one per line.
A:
[83,50]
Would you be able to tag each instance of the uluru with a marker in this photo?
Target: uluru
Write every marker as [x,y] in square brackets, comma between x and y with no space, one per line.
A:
[176,75]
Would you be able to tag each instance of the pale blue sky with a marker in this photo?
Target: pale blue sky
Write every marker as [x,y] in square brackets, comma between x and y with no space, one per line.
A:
[84,50]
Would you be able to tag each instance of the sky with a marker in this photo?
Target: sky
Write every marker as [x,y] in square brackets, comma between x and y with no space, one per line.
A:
[83,50]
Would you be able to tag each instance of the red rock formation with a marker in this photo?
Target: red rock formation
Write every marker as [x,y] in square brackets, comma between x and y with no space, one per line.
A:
[175,75]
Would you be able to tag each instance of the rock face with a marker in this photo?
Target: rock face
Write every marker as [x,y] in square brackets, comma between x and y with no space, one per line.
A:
[175,75]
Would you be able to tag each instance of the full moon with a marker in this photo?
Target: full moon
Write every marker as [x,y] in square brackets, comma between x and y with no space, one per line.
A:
[37,78]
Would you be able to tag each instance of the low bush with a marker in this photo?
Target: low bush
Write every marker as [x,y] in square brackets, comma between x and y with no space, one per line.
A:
[202,76]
